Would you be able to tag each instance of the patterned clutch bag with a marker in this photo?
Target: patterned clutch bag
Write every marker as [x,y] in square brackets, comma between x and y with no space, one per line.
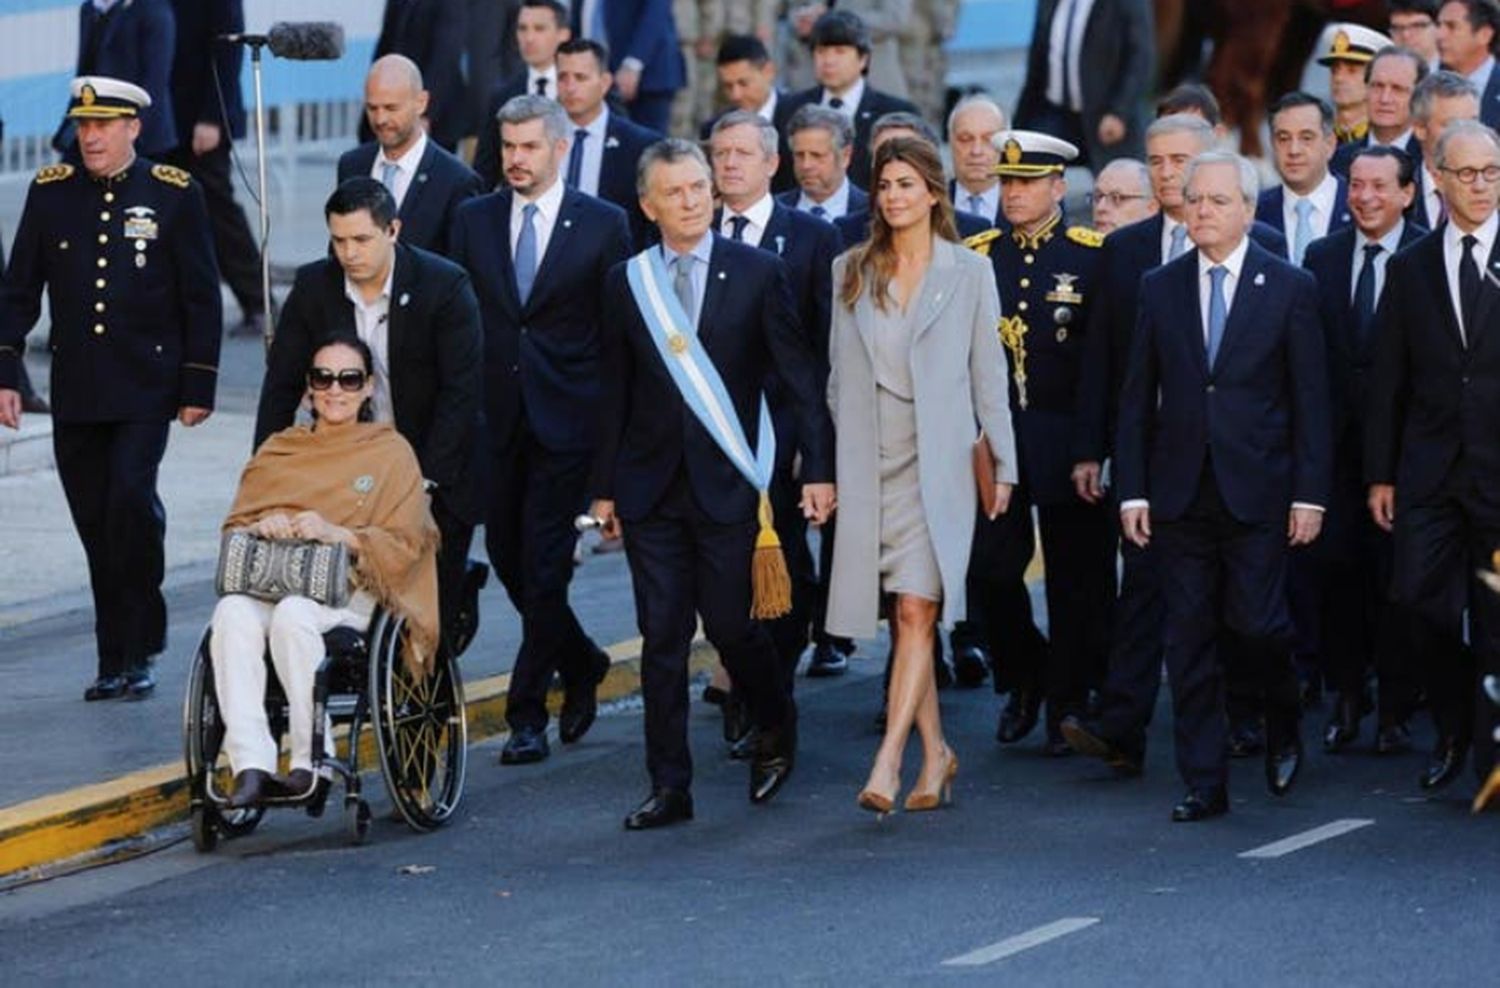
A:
[270,569]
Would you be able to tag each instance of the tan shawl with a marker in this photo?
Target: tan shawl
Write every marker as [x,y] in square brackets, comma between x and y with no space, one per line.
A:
[363,477]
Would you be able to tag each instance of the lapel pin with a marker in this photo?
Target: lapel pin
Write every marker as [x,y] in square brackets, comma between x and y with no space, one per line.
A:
[422,177]
[405,298]
[611,142]
[1260,279]
[722,276]
[780,244]
[567,224]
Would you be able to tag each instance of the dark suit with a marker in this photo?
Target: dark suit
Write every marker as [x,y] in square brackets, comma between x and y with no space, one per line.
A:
[873,105]
[689,516]
[542,374]
[433,354]
[134,41]
[1344,156]
[1489,100]
[1340,582]
[644,30]
[201,61]
[785,179]
[623,143]
[1434,402]
[431,33]
[957,195]
[808,246]
[854,226]
[859,202]
[1116,61]
[487,146]
[441,184]
[1222,451]
[1272,201]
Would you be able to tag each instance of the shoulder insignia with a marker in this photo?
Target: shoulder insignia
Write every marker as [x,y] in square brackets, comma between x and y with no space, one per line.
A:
[170,175]
[980,242]
[1086,236]
[53,173]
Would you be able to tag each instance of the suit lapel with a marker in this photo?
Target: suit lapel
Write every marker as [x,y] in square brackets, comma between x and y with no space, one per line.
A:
[1244,303]
[714,291]
[503,203]
[1192,287]
[1489,291]
[403,284]
[558,244]
[777,237]
[1437,280]
[936,291]
[418,184]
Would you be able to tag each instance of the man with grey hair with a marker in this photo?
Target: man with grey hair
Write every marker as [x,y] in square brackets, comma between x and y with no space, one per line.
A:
[537,252]
[427,182]
[972,127]
[1432,455]
[1439,99]
[695,311]
[742,150]
[1224,460]
[1122,195]
[822,142]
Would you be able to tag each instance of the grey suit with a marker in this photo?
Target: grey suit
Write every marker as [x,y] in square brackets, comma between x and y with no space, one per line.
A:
[959,373]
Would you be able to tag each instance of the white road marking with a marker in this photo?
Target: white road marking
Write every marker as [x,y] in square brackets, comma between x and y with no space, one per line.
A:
[1021,941]
[1307,838]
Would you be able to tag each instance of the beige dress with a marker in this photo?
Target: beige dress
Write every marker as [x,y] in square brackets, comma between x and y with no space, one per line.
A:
[908,564]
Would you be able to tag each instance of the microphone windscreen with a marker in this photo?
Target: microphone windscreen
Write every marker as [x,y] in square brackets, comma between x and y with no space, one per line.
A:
[311,41]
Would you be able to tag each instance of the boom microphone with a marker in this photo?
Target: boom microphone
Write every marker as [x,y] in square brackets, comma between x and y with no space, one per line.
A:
[310,41]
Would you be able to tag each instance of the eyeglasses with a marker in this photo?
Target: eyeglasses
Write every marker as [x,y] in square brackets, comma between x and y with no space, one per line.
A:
[321,379]
[1468,176]
[1115,199]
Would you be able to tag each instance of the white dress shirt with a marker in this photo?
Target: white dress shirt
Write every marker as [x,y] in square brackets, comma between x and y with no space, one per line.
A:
[406,167]
[834,206]
[371,325]
[1432,199]
[1453,253]
[850,98]
[593,152]
[1390,242]
[1324,201]
[767,112]
[758,214]
[550,74]
[548,204]
[1074,45]
[1167,226]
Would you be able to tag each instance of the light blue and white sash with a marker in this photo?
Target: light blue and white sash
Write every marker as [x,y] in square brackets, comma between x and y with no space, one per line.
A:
[694,372]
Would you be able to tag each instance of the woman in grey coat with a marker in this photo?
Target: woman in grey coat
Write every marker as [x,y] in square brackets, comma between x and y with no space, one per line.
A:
[917,371]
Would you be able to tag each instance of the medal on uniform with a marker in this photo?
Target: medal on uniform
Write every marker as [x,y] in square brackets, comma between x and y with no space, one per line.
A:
[140,224]
[1064,291]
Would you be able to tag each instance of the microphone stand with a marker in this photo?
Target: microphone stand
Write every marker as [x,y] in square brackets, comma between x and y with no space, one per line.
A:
[256,44]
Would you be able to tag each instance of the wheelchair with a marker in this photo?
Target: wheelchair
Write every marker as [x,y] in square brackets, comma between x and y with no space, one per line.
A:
[419,728]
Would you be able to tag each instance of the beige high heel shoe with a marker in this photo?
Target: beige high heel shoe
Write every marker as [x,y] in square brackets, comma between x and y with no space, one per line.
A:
[918,802]
[874,800]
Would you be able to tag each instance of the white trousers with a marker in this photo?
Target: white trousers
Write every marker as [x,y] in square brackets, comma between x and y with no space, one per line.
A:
[294,626]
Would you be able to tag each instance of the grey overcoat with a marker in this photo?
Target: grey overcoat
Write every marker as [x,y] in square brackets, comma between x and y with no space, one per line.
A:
[959,375]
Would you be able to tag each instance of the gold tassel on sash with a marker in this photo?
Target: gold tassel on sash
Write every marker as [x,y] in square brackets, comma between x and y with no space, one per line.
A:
[770,582]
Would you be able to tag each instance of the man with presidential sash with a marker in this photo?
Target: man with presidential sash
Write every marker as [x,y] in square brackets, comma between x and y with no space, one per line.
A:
[684,464]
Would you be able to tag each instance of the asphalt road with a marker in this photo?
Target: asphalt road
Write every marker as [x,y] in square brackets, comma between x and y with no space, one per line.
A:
[1044,872]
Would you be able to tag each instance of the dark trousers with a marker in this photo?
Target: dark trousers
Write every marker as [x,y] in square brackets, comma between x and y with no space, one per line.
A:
[235,247]
[108,472]
[790,633]
[999,604]
[1439,545]
[453,559]
[684,565]
[1133,678]
[530,538]
[1217,571]
[1078,550]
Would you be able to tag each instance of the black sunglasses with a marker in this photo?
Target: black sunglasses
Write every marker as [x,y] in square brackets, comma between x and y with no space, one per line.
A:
[321,379]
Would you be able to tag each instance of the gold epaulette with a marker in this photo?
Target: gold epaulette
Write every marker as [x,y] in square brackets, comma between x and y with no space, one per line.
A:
[980,242]
[1086,236]
[53,173]
[170,175]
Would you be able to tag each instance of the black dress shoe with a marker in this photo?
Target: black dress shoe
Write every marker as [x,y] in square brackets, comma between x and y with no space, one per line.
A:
[826,662]
[736,719]
[1246,740]
[744,749]
[581,702]
[105,688]
[251,788]
[1282,764]
[661,808]
[1085,738]
[1447,761]
[775,756]
[971,664]
[1393,739]
[526,745]
[1343,727]
[1201,804]
[1019,717]
[139,684]
[715,696]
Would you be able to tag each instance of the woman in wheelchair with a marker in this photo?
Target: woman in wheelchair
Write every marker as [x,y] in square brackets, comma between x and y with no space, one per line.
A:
[345,479]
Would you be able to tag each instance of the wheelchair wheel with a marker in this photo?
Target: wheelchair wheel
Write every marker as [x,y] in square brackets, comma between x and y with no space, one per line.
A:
[203,736]
[420,730]
[356,819]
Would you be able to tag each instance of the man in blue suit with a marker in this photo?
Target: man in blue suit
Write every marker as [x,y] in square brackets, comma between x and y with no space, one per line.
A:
[538,252]
[426,181]
[605,146]
[1224,459]
[541,27]
[1134,675]
[645,58]
[822,144]
[1391,79]
[747,80]
[742,151]
[1348,569]
[1309,202]
[689,514]
[1467,30]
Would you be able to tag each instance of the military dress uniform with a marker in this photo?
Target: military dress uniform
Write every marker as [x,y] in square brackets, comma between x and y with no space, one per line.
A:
[1045,280]
[1353,44]
[128,264]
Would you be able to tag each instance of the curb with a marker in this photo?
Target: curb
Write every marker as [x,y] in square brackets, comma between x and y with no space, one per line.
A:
[91,824]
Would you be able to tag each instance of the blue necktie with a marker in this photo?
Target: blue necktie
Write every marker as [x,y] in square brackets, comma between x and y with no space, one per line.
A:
[1302,236]
[682,285]
[737,227]
[388,176]
[575,159]
[526,253]
[976,205]
[1179,242]
[818,211]
[1217,314]
[1364,299]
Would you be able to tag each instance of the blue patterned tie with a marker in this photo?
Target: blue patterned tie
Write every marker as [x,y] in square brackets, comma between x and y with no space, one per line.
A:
[1179,242]
[1303,235]
[526,253]
[575,159]
[1217,314]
